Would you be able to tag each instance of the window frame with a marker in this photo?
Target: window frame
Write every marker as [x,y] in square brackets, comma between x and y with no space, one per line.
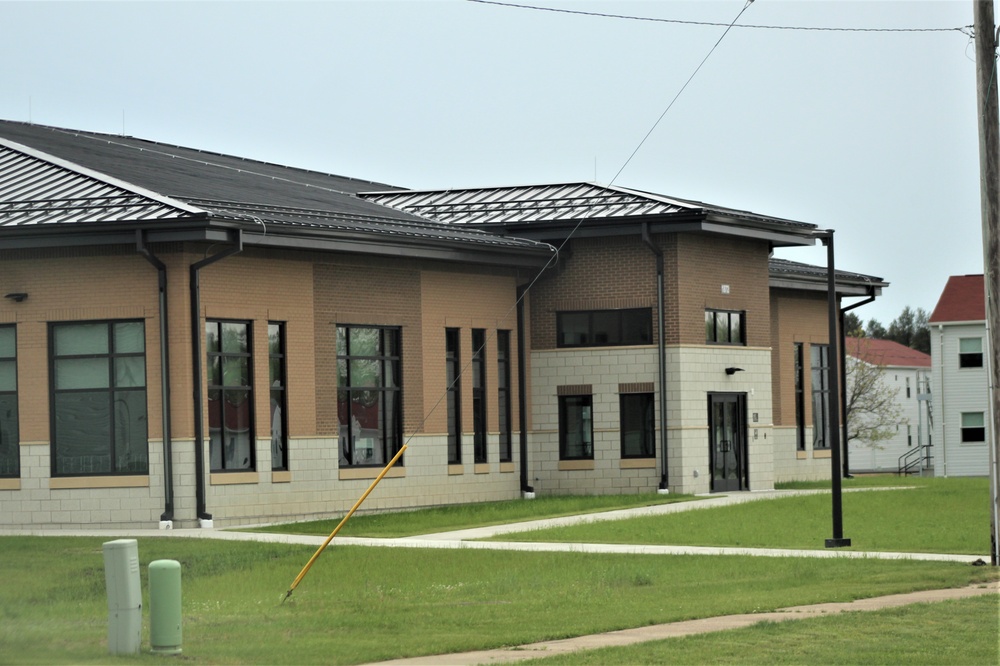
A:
[820,396]
[480,426]
[646,429]
[800,407]
[453,376]
[970,359]
[225,389]
[712,337]
[972,434]
[621,314]
[586,402]
[112,389]
[504,411]
[281,358]
[15,450]
[390,429]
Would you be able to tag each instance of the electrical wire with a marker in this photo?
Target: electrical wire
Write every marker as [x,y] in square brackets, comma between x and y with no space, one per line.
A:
[679,92]
[580,12]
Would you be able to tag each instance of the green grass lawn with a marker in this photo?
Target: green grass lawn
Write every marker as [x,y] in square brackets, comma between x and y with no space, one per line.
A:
[367,604]
[463,516]
[960,632]
[931,516]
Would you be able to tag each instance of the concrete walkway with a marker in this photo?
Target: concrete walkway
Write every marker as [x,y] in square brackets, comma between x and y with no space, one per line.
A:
[687,628]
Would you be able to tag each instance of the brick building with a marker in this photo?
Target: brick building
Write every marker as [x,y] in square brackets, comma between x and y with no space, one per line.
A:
[196,338]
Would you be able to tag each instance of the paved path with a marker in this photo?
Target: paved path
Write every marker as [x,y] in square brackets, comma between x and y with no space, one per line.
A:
[687,628]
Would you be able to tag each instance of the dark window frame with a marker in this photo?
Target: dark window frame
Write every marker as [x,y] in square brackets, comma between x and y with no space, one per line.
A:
[112,389]
[9,423]
[279,393]
[453,375]
[217,383]
[390,428]
[646,428]
[713,330]
[820,396]
[586,401]
[800,409]
[480,425]
[504,411]
[624,335]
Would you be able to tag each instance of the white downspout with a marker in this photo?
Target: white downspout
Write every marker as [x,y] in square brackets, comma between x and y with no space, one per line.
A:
[944,420]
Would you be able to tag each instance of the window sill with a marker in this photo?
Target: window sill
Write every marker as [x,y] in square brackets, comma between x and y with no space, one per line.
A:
[507,467]
[10,484]
[233,478]
[801,455]
[456,470]
[637,463]
[822,453]
[353,473]
[281,476]
[481,468]
[575,465]
[67,482]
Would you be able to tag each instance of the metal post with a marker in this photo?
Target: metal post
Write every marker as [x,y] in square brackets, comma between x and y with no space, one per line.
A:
[838,540]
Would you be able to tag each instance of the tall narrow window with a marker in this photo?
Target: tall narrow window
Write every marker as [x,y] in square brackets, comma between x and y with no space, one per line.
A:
[369,401]
[973,427]
[637,418]
[576,427]
[277,373]
[10,449]
[230,396]
[479,395]
[820,356]
[970,352]
[453,372]
[800,403]
[98,380]
[503,395]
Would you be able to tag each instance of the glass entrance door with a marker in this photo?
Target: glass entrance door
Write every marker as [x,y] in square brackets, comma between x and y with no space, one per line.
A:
[727,427]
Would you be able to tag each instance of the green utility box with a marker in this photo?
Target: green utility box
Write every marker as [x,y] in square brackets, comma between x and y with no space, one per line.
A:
[121,577]
[165,606]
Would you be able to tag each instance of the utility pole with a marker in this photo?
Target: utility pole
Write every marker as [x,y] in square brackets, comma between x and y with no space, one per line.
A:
[989,176]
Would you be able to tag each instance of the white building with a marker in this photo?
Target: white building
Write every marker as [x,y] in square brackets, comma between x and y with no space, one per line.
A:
[960,382]
[906,374]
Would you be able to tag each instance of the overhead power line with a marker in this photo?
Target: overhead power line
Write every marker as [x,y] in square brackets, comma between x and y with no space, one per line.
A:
[965,29]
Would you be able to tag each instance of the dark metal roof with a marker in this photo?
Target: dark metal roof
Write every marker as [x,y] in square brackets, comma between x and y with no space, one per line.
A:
[534,209]
[97,189]
[796,275]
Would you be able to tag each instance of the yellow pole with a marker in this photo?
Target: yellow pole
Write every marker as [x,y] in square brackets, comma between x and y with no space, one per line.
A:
[350,513]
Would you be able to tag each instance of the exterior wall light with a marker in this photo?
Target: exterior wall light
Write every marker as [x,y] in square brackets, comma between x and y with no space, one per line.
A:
[17,296]
[733,371]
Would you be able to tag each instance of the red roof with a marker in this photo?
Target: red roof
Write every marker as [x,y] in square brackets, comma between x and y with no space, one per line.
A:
[963,299]
[886,352]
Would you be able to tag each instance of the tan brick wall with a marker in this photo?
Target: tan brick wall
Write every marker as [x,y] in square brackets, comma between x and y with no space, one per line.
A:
[704,265]
[800,316]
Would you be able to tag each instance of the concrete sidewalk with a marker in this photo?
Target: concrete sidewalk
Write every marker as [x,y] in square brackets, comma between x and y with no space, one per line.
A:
[686,628]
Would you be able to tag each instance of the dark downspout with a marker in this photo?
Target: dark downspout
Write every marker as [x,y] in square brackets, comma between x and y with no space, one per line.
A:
[838,540]
[522,401]
[199,397]
[843,375]
[168,465]
[661,351]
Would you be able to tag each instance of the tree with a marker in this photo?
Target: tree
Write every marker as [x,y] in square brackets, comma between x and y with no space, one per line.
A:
[853,327]
[872,411]
[876,330]
[910,329]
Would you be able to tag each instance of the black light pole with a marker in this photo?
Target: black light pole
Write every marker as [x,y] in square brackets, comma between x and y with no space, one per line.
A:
[838,540]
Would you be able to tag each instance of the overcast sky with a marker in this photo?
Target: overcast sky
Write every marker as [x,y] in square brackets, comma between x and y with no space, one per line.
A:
[872,134]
